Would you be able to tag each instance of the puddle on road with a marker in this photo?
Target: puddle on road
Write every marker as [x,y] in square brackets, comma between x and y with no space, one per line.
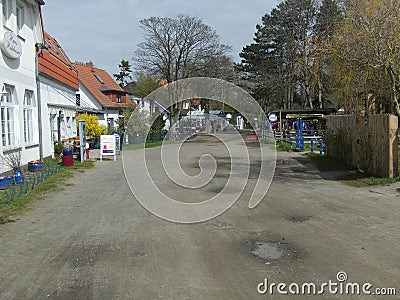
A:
[267,250]
[272,250]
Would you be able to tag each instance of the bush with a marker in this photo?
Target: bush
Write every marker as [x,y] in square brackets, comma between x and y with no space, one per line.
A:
[93,127]
[58,148]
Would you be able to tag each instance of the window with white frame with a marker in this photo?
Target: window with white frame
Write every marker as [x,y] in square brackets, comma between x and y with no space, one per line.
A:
[6,10]
[28,116]
[4,7]
[74,129]
[20,14]
[53,128]
[7,115]
[69,129]
[63,126]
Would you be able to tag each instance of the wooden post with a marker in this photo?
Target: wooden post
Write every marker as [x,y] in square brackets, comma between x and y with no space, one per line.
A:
[393,147]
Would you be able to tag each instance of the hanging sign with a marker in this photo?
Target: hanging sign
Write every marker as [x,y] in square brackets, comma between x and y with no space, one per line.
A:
[11,45]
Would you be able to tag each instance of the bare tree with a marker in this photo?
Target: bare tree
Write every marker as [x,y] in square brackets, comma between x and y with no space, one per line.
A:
[179,48]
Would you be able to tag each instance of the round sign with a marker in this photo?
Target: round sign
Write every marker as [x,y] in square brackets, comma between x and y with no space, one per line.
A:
[272,118]
[11,45]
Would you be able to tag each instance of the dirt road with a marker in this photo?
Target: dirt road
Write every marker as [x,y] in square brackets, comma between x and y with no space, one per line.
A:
[95,241]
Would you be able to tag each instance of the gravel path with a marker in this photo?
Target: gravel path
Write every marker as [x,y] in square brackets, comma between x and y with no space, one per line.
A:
[95,241]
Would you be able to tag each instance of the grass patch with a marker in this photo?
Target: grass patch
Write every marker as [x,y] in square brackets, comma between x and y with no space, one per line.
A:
[153,144]
[22,204]
[357,179]
[149,144]
[363,180]
[284,145]
[327,163]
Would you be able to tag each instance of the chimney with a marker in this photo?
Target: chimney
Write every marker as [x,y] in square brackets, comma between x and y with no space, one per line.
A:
[89,64]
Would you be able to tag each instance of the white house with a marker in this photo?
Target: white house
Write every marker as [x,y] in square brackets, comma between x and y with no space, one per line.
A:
[20,32]
[58,81]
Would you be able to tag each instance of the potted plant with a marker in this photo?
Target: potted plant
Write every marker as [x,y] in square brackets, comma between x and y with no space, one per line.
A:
[68,158]
[68,148]
[58,148]
[13,160]
[35,165]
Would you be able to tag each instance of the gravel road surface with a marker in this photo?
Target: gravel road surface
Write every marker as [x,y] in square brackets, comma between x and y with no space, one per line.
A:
[93,240]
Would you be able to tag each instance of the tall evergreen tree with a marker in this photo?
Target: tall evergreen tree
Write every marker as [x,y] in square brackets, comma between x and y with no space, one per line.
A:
[330,14]
[279,61]
[125,74]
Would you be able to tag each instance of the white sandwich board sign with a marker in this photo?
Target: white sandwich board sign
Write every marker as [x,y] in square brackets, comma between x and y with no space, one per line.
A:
[107,146]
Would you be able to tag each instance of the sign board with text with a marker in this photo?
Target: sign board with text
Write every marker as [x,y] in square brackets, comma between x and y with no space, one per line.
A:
[10,45]
[107,146]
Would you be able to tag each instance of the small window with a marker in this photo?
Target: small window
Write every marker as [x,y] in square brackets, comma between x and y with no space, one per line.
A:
[74,129]
[28,117]
[7,8]
[5,15]
[78,99]
[20,13]
[118,98]
[98,78]
[28,98]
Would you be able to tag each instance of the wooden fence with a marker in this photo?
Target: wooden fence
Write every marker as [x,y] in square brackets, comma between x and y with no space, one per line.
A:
[370,145]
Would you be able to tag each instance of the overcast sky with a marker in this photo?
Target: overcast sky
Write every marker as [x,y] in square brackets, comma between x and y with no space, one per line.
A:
[105,31]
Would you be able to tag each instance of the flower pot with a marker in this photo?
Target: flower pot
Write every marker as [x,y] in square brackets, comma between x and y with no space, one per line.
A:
[35,166]
[67,152]
[19,177]
[5,182]
[68,160]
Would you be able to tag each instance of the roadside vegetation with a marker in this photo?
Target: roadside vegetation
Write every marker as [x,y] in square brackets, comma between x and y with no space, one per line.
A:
[284,145]
[327,163]
[362,180]
[149,144]
[56,182]
[355,178]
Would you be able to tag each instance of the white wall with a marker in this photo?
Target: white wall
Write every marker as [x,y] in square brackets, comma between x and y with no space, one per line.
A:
[20,73]
[87,100]
[57,100]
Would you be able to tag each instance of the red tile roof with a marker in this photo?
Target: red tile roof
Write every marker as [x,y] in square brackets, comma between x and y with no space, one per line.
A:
[55,63]
[101,85]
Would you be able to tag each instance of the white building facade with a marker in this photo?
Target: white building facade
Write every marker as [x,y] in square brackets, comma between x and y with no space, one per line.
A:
[59,113]
[58,81]
[20,32]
